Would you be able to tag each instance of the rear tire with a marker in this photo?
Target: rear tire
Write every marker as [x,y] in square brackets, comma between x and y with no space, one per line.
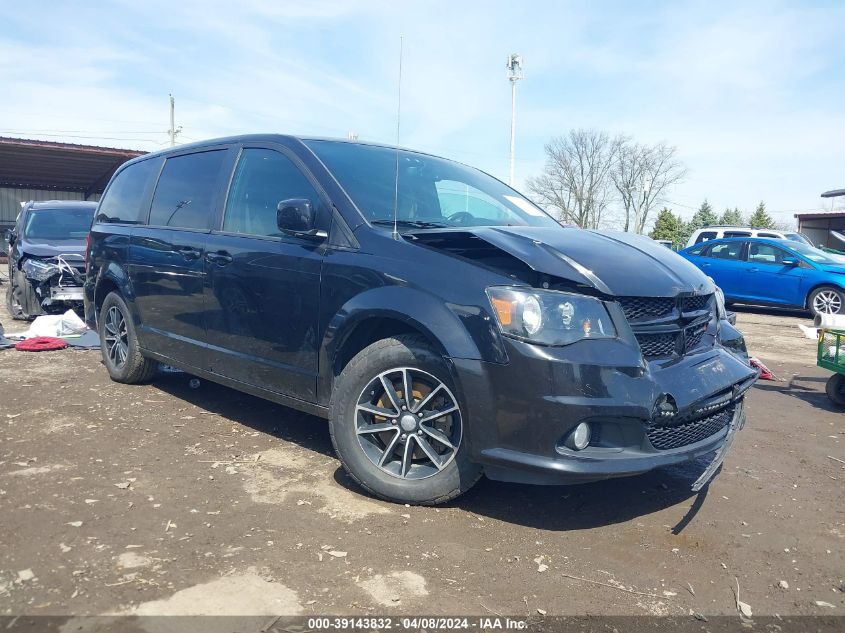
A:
[420,456]
[835,389]
[119,344]
[826,300]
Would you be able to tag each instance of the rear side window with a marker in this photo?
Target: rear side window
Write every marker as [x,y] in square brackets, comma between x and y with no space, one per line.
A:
[263,178]
[696,250]
[704,236]
[737,234]
[728,250]
[185,191]
[122,202]
[772,235]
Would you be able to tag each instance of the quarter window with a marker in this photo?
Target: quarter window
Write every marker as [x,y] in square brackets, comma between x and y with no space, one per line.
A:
[263,178]
[185,192]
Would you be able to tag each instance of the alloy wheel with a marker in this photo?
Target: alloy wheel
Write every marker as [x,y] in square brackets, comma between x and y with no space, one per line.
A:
[408,423]
[116,337]
[827,302]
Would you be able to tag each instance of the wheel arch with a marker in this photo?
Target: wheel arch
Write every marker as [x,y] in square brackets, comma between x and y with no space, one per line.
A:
[373,315]
[368,330]
[816,286]
[112,278]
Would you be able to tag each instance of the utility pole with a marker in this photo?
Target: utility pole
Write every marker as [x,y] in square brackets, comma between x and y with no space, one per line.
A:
[514,66]
[173,131]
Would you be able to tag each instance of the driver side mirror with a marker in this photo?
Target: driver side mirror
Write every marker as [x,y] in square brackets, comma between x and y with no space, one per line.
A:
[10,236]
[297,217]
[789,261]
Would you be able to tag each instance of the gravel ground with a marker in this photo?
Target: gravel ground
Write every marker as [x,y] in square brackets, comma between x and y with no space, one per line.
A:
[166,499]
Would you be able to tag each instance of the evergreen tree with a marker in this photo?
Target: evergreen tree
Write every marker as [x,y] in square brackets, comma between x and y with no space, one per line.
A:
[705,215]
[760,219]
[668,226]
[732,217]
[701,218]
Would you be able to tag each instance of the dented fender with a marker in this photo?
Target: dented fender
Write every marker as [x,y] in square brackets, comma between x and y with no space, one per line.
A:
[454,329]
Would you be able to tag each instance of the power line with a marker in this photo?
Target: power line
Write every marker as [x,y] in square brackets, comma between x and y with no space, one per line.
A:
[43,130]
[103,138]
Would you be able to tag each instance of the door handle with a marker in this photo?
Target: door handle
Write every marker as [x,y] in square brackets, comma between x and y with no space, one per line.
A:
[221,258]
[188,252]
[753,270]
[704,264]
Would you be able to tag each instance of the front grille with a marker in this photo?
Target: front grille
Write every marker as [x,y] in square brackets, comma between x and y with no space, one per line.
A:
[662,344]
[651,317]
[664,437]
[641,308]
[693,336]
[692,304]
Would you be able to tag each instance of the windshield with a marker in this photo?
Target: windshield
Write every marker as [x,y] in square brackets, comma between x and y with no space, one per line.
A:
[797,237]
[816,255]
[54,224]
[432,192]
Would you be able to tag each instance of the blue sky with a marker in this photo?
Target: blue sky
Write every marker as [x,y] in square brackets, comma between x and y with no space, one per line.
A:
[751,93]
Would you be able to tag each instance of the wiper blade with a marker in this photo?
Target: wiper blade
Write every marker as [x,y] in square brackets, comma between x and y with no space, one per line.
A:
[416,224]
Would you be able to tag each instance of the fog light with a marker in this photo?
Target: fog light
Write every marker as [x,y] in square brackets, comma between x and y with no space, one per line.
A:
[581,436]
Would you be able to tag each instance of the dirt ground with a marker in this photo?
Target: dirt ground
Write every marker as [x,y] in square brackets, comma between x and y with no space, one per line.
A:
[162,499]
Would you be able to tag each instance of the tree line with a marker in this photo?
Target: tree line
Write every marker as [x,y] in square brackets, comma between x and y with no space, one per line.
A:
[669,226]
[594,180]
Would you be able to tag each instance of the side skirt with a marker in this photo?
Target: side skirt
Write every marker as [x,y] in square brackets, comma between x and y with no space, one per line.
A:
[278,398]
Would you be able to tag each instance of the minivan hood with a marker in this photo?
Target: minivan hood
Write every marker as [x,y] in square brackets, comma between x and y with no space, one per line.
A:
[51,248]
[612,262]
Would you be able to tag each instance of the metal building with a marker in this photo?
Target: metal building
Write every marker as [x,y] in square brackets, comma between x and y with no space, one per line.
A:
[46,170]
[823,228]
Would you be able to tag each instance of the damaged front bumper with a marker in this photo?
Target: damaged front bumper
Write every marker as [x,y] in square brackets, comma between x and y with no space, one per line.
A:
[54,280]
[523,412]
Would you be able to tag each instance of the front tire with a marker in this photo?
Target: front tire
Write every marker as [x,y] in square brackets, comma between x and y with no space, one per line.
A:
[119,343]
[13,303]
[826,300]
[397,425]
[22,302]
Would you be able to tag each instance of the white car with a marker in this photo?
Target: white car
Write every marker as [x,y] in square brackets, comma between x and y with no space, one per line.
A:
[716,232]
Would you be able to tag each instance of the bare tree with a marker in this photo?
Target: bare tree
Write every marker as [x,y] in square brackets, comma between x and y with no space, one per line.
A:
[642,174]
[576,181]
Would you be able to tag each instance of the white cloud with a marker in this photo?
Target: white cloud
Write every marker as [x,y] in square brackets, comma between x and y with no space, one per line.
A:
[749,93]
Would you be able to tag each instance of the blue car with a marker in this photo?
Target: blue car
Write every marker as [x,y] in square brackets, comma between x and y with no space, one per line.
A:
[773,272]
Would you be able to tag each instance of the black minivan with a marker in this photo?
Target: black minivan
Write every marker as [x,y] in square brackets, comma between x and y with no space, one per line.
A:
[445,325]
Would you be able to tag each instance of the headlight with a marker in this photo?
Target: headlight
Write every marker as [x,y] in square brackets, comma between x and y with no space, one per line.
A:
[39,270]
[721,312]
[720,304]
[549,317]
